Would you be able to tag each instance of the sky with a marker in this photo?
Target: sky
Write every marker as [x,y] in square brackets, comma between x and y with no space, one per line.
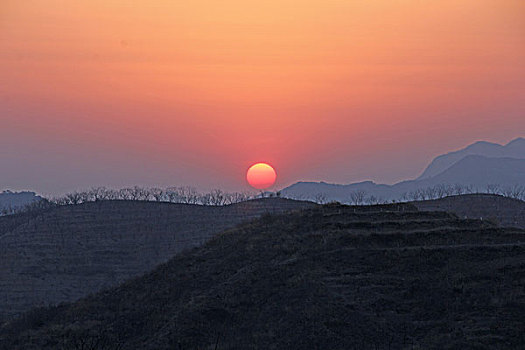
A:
[164,92]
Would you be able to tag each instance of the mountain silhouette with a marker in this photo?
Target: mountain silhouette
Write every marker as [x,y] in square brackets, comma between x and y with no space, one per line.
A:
[481,171]
[514,149]
[476,167]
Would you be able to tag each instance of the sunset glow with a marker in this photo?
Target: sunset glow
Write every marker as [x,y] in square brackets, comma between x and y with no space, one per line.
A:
[158,92]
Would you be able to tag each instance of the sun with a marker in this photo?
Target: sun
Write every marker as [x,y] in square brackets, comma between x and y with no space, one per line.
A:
[261,176]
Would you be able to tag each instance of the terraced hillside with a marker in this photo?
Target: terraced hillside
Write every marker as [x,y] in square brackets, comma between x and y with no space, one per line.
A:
[68,252]
[333,277]
[505,211]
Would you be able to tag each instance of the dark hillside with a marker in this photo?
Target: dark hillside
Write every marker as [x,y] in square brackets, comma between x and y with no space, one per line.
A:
[333,277]
[65,253]
[505,211]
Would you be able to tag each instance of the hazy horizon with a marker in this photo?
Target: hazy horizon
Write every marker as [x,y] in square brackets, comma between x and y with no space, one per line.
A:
[245,189]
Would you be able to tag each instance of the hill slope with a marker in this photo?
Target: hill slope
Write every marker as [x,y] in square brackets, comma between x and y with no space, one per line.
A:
[329,278]
[507,212]
[68,252]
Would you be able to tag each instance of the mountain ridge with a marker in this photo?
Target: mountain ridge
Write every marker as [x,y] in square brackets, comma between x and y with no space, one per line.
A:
[513,149]
[472,172]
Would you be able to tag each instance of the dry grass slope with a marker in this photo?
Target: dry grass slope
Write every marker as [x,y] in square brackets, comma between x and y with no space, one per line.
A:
[505,211]
[334,277]
[66,253]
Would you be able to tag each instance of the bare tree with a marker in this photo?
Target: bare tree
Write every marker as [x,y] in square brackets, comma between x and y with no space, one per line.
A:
[320,198]
[420,194]
[73,198]
[440,191]
[157,194]
[173,195]
[238,197]
[492,189]
[357,197]
[458,189]
[372,200]
[217,197]
[430,192]
[188,195]
[515,191]
[449,190]
[469,189]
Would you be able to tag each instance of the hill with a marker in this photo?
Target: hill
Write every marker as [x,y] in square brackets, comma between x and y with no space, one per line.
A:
[67,252]
[334,277]
[514,149]
[506,212]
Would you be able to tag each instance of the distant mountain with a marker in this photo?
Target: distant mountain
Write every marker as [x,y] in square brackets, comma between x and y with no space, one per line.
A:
[514,149]
[13,200]
[67,252]
[331,277]
[480,171]
[477,172]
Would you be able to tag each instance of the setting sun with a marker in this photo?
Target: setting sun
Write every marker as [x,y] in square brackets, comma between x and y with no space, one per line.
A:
[261,176]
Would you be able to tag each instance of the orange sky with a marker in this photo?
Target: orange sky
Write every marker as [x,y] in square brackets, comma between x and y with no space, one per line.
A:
[193,92]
